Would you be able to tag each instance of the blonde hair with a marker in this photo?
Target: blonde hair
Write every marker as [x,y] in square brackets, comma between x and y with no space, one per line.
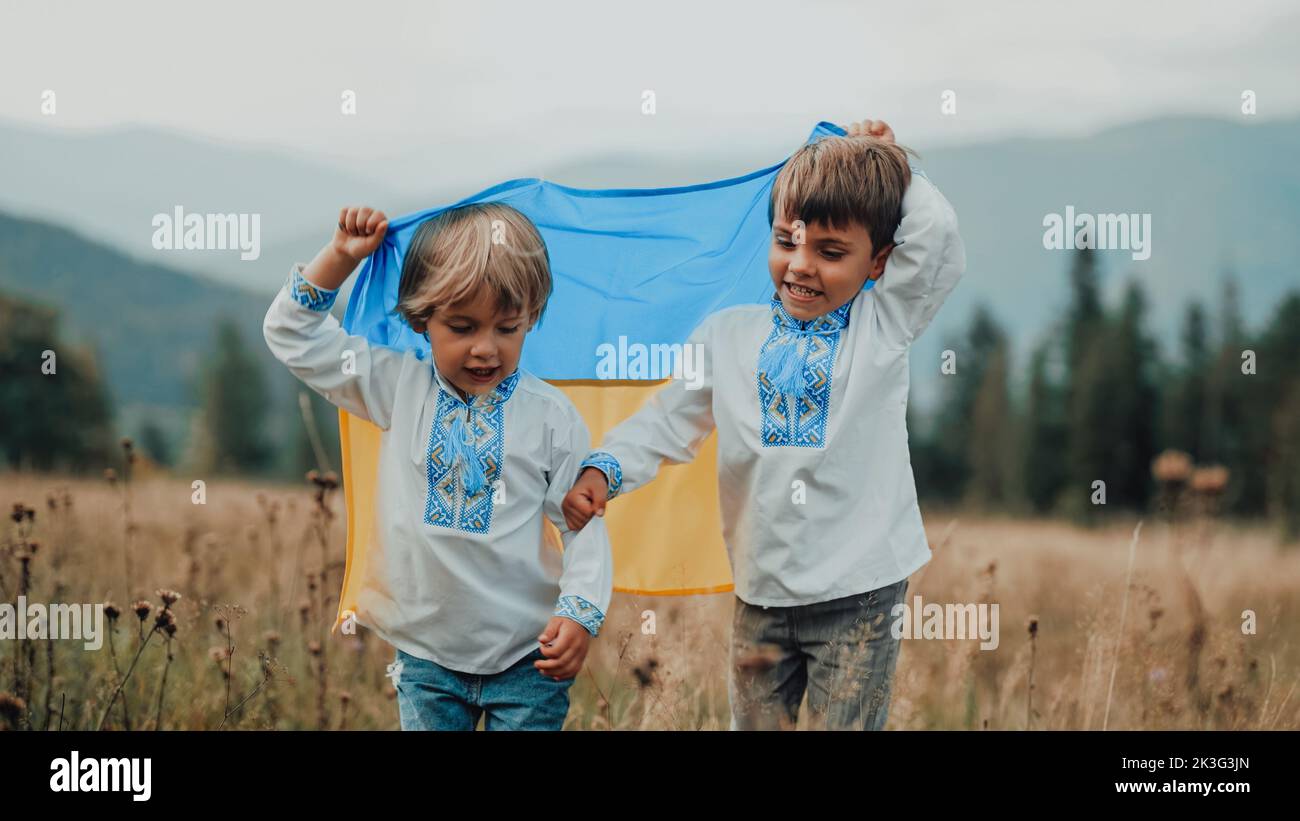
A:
[457,253]
[844,180]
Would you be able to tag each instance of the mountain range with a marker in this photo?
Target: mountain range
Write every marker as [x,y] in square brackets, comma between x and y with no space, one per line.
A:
[76,210]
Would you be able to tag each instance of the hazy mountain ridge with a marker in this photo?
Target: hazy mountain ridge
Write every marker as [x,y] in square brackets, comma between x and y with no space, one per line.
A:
[1222,195]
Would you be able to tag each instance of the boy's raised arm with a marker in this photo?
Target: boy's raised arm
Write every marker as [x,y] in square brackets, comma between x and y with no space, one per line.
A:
[300,331]
[927,261]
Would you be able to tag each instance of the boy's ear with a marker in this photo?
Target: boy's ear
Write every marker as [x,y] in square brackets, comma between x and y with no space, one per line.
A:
[878,262]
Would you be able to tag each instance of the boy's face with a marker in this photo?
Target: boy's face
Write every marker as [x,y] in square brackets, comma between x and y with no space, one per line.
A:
[817,268]
[475,344]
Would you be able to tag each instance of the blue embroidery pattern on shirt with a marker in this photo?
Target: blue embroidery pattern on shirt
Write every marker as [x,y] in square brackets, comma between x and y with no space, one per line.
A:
[800,421]
[447,503]
[308,295]
[581,611]
[607,464]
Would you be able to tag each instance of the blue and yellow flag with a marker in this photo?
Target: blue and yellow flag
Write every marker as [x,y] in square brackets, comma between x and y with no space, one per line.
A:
[629,266]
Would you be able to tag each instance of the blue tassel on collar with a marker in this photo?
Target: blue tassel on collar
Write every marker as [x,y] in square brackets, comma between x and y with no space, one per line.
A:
[462,440]
[465,455]
[782,360]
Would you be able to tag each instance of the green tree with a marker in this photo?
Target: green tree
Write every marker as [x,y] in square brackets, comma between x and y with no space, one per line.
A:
[234,399]
[1270,463]
[1044,467]
[1135,403]
[1183,423]
[153,441]
[55,413]
[983,342]
[1085,409]
[992,452]
[1228,400]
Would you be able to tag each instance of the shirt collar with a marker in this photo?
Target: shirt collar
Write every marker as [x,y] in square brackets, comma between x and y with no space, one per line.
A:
[479,401]
[830,322]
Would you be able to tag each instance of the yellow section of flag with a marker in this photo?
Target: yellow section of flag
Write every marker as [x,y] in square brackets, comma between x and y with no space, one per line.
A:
[666,537]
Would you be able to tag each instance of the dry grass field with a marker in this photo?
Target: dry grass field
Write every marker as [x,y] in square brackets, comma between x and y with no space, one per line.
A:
[257,569]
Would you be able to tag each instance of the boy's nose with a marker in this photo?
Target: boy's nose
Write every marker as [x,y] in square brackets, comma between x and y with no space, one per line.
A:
[483,348]
[800,267]
[801,262]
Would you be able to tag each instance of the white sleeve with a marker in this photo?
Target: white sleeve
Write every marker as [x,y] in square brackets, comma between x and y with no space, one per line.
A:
[347,370]
[670,427]
[928,259]
[587,580]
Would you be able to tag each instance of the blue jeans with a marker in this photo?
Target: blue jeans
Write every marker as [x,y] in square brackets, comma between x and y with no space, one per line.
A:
[841,652]
[432,697]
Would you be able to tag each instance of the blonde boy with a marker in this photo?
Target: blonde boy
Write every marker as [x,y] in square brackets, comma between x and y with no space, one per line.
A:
[487,619]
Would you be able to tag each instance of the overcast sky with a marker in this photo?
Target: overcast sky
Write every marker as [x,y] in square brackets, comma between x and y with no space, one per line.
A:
[546,82]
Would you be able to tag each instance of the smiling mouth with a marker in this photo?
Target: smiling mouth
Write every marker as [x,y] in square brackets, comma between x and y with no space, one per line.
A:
[800,292]
[482,374]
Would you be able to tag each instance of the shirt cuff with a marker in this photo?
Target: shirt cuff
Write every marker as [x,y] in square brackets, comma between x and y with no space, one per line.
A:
[608,465]
[581,611]
[308,294]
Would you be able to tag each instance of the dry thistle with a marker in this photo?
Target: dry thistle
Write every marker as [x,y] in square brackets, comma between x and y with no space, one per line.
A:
[1210,480]
[142,609]
[1172,466]
[169,597]
[165,622]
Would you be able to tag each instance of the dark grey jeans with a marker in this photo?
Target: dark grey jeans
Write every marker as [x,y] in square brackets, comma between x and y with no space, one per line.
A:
[842,652]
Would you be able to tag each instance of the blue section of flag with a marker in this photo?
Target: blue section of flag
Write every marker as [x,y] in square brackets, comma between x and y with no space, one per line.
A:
[648,264]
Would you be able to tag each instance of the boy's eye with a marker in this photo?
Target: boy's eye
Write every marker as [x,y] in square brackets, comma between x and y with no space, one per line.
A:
[460,329]
[832,254]
[784,243]
[508,329]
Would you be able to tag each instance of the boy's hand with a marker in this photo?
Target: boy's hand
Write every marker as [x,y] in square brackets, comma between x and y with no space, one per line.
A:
[359,232]
[872,128]
[564,643]
[585,499]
